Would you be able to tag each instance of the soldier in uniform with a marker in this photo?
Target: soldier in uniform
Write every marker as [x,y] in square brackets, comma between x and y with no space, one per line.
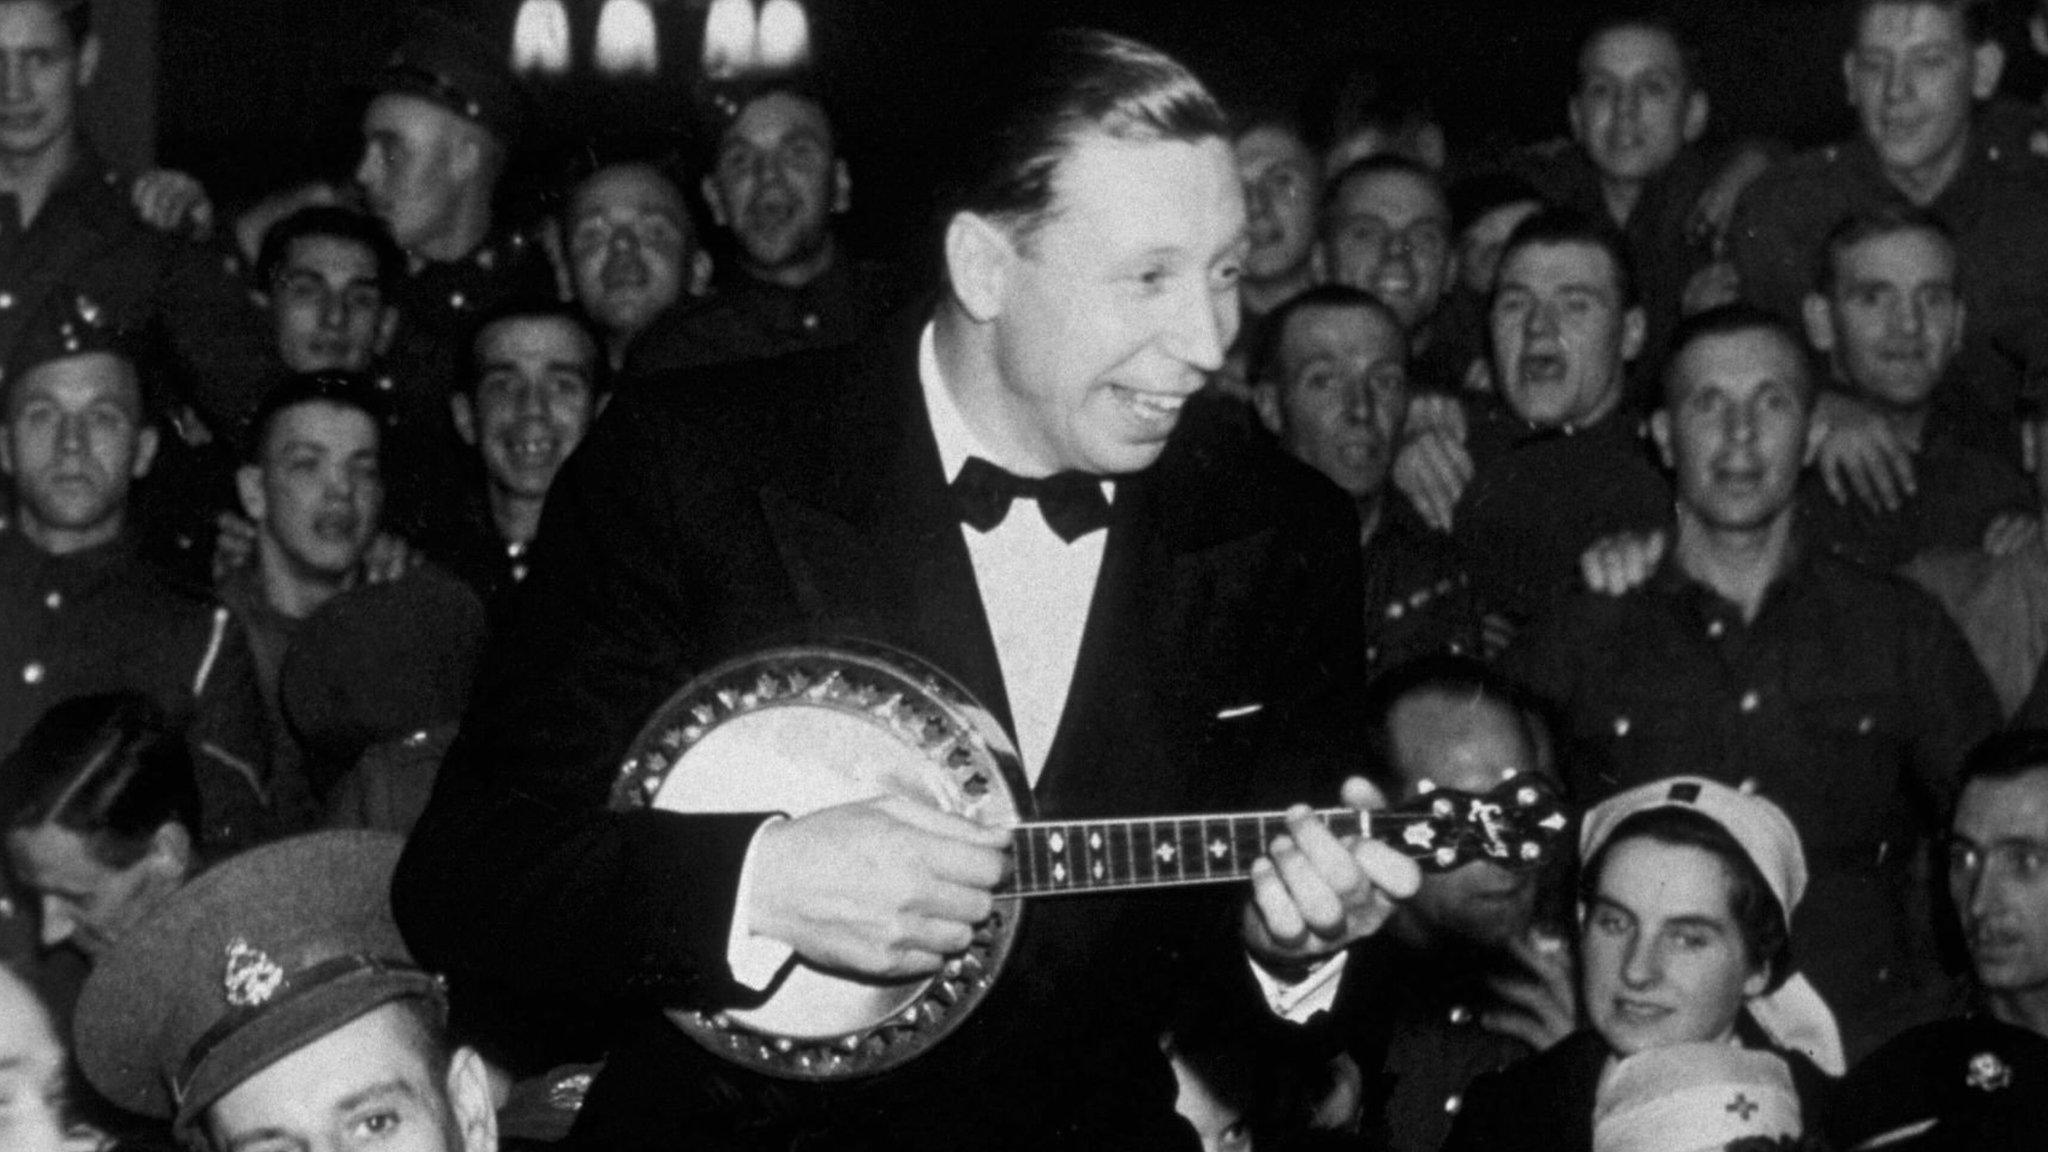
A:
[1635,158]
[80,610]
[313,486]
[1753,656]
[272,1003]
[535,381]
[776,180]
[632,251]
[443,116]
[328,274]
[1332,372]
[1977,1081]
[1913,71]
[1475,972]
[68,223]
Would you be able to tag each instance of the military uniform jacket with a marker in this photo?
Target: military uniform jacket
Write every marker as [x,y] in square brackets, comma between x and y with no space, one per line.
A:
[808,499]
[1540,496]
[103,620]
[1970,1084]
[186,298]
[1850,701]
[1997,206]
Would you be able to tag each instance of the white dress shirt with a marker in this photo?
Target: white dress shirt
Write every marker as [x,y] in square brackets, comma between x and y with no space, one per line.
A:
[1035,592]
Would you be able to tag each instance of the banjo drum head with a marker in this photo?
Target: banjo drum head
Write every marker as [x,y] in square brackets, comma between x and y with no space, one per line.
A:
[794,730]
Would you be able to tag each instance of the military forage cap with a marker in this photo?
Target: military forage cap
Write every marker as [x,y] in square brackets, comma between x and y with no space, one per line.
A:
[68,323]
[253,960]
[450,63]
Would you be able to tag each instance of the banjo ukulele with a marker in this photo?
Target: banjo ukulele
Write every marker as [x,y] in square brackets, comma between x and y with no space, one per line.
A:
[798,729]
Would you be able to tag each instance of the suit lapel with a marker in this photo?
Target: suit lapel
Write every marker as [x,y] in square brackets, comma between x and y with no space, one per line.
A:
[868,531]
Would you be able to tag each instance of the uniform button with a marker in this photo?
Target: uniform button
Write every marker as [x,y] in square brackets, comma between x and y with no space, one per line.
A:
[1864,725]
[1884,975]
[386,383]
[1396,610]
[1715,629]
[1621,725]
[457,300]
[810,321]
[1460,1014]
[53,601]
[1452,1103]
[32,672]
[1750,700]
[6,300]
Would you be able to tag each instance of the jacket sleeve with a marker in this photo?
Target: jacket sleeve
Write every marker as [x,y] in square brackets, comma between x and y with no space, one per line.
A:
[519,870]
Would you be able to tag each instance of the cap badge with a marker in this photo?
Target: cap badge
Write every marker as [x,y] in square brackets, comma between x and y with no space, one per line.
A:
[252,977]
[1686,793]
[1988,1073]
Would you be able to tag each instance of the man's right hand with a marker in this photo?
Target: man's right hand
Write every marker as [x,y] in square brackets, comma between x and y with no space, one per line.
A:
[886,888]
[1861,453]
[1621,562]
[1432,470]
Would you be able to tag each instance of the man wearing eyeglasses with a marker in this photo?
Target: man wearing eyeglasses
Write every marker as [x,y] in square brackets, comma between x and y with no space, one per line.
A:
[1974,1081]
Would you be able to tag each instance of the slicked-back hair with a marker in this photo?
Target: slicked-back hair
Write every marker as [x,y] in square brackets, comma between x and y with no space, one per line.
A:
[1732,320]
[1871,223]
[1759,919]
[1060,86]
[340,223]
[1263,367]
[533,308]
[1553,227]
[2006,756]
[109,768]
[354,390]
[1443,676]
[1976,15]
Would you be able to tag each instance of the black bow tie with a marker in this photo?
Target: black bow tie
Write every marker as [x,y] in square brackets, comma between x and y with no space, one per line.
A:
[1071,502]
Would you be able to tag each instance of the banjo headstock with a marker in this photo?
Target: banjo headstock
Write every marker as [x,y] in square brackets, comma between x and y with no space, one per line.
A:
[1519,824]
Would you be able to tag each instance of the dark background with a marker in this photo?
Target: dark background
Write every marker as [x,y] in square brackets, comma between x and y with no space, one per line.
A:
[250,94]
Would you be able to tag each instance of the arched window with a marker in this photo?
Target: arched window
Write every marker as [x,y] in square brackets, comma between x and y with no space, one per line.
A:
[729,37]
[627,40]
[785,35]
[540,38]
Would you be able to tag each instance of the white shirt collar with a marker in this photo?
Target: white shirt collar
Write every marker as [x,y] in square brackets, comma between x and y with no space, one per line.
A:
[955,437]
[956,440]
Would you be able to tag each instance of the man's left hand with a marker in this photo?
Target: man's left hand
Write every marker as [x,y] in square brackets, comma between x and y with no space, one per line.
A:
[173,201]
[1313,894]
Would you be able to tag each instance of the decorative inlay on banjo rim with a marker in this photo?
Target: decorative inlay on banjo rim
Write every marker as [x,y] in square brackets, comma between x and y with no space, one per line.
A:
[963,762]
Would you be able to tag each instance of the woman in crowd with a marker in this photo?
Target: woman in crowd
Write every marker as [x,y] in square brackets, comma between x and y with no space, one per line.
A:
[1687,896]
[98,806]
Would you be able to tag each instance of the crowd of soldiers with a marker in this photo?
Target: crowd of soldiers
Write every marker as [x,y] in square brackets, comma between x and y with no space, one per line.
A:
[1694,482]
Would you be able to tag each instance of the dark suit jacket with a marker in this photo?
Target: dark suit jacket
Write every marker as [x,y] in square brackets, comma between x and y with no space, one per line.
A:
[705,520]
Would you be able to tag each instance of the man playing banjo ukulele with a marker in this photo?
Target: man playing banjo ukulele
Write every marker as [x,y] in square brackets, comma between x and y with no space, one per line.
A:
[1145,634]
